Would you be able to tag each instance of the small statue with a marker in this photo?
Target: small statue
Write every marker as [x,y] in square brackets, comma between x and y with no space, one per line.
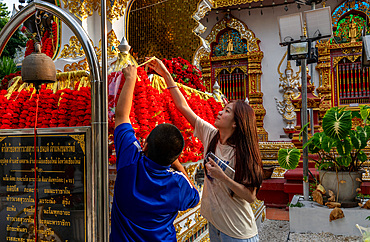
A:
[230,47]
[352,34]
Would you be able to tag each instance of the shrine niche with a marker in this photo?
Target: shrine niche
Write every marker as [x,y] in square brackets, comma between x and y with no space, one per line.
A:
[44,28]
[343,82]
[234,62]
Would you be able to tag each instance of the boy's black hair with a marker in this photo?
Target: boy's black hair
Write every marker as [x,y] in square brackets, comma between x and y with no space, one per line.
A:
[165,144]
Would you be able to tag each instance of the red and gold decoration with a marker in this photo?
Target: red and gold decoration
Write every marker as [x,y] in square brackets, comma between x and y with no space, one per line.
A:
[67,103]
[343,82]
[235,63]
[5,81]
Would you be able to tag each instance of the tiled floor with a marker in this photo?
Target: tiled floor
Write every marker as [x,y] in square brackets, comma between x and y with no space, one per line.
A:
[277,214]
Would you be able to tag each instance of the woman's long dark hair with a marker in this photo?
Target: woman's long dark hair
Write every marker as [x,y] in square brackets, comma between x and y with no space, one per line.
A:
[248,164]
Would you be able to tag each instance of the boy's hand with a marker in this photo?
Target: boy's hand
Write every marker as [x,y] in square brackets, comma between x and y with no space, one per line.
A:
[158,66]
[130,72]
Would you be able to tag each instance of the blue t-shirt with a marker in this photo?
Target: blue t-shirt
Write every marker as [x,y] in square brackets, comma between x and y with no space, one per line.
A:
[147,196]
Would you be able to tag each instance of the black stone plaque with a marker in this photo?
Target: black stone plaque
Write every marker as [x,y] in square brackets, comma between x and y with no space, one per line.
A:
[60,187]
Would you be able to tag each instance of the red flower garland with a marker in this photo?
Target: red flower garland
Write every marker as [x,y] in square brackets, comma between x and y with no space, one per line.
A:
[5,81]
[70,108]
[185,73]
[48,42]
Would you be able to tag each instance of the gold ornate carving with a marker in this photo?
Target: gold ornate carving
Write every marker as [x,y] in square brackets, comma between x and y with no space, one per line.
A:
[233,57]
[80,140]
[86,8]
[191,170]
[202,9]
[231,70]
[116,9]
[269,150]
[193,230]
[78,8]
[346,45]
[245,33]
[73,49]
[351,58]
[232,63]
[112,45]
[352,51]
[80,65]
[226,3]
[200,54]
[278,172]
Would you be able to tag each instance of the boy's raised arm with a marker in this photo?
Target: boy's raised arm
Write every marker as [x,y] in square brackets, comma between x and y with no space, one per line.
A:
[124,103]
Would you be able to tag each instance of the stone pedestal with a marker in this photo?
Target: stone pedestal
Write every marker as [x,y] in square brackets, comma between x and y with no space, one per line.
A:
[313,217]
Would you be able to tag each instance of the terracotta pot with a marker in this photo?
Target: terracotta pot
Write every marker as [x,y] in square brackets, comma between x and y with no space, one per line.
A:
[342,181]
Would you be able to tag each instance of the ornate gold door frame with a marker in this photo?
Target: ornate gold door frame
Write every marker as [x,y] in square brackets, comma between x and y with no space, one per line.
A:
[252,68]
[345,44]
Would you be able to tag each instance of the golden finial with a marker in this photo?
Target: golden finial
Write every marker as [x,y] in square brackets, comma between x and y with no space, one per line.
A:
[323,4]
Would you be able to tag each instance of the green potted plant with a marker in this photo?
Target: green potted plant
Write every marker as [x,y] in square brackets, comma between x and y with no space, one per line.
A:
[337,151]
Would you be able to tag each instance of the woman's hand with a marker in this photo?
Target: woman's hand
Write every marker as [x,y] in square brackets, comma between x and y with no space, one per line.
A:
[214,171]
[158,66]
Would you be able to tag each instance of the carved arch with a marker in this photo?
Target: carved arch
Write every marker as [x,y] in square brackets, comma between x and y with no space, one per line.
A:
[248,62]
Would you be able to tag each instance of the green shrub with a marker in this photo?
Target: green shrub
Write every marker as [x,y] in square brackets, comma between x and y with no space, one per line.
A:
[7,66]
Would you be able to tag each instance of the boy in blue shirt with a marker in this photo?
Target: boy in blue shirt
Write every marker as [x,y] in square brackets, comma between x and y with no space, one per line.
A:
[147,194]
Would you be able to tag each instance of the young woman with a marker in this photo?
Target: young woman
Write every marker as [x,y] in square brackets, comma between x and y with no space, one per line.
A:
[226,194]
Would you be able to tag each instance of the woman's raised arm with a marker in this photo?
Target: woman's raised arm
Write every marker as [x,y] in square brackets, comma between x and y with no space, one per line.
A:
[179,100]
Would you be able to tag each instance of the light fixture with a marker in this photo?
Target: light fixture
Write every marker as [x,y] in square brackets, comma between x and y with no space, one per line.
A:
[273,2]
[228,10]
[261,12]
[261,5]
[298,50]
[286,8]
[298,6]
[239,8]
[290,28]
[318,23]
[216,11]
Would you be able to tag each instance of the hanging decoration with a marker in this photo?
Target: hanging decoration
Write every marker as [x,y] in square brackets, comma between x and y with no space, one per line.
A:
[67,103]
[49,41]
